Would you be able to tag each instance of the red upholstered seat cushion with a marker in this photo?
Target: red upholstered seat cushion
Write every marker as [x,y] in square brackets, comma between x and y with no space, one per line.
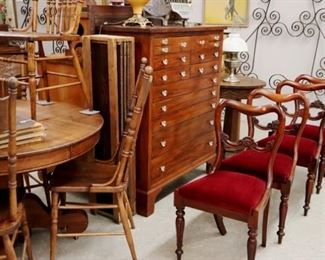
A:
[255,163]
[307,148]
[310,131]
[228,190]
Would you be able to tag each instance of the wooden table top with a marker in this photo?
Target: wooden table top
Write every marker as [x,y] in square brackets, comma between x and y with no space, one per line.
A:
[68,134]
[240,90]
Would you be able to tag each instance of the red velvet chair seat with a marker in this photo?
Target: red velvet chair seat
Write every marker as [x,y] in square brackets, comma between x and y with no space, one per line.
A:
[307,148]
[256,162]
[225,190]
[310,131]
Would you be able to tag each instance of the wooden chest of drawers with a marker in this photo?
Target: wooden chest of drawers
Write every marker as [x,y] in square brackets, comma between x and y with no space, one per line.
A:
[177,130]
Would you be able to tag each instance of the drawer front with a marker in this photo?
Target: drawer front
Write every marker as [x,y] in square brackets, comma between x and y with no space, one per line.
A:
[171,75]
[208,41]
[169,120]
[171,60]
[169,139]
[169,106]
[172,90]
[166,165]
[204,56]
[204,68]
[171,45]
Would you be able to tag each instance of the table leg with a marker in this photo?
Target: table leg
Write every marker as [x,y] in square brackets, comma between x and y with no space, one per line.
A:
[231,124]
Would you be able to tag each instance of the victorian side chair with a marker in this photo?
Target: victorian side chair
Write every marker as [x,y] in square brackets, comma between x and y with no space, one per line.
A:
[12,211]
[315,129]
[296,105]
[231,193]
[101,177]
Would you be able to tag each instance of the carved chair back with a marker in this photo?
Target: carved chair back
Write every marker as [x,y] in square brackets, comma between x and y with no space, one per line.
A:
[61,16]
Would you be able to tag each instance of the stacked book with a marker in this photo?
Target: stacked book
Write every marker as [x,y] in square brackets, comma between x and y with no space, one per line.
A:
[28,131]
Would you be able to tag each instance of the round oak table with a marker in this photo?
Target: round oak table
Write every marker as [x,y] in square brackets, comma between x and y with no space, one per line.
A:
[237,91]
[68,134]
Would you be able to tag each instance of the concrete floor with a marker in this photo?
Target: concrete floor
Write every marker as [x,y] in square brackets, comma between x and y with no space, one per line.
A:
[155,236]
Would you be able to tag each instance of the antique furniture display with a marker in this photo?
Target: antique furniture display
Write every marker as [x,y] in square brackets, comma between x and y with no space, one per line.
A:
[237,91]
[285,163]
[179,112]
[234,193]
[102,176]
[12,210]
[315,131]
[69,134]
[62,21]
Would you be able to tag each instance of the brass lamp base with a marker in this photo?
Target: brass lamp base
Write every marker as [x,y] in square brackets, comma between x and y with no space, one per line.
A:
[232,64]
[137,19]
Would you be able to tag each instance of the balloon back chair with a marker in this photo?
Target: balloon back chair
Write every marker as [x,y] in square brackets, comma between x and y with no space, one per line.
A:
[62,20]
[315,128]
[296,105]
[230,193]
[12,211]
[101,177]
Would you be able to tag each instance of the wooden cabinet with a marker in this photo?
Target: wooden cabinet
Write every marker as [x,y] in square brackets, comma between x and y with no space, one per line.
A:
[177,131]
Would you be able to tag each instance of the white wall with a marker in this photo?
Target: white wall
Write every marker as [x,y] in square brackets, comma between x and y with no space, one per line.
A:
[284,54]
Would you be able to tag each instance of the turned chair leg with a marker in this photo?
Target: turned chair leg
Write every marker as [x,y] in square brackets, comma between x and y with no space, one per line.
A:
[128,209]
[251,243]
[309,186]
[265,221]
[126,226]
[283,210]
[321,172]
[180,223]
[54,225]
[221,226]
[8,247]
[26,234]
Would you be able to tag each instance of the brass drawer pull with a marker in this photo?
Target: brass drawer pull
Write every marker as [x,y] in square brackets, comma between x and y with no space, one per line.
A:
[217,37]
[162,168]
[202,56]
[214,93]
[163,108]
[165,50]
[215,80]
[215,67]
[216,44]
[163,123]
[183,59]
[210,143]
[201,70]
[183,44]
[183,74]
[202,42]
[163,143]
[165,61]
[211,122]
[216,54]
[164,41]
[164,78]
[164,93]
[213,105]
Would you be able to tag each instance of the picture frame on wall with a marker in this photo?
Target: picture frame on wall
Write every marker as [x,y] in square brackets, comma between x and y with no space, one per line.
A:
[226,12]
[11,17]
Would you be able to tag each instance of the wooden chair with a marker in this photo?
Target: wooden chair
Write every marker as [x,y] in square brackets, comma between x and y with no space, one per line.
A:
[289,150]
[101,177]
[316,124]
[230,193]
[12,211]
[62,20]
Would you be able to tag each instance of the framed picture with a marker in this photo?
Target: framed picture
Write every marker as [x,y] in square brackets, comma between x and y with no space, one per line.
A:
[226,12]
